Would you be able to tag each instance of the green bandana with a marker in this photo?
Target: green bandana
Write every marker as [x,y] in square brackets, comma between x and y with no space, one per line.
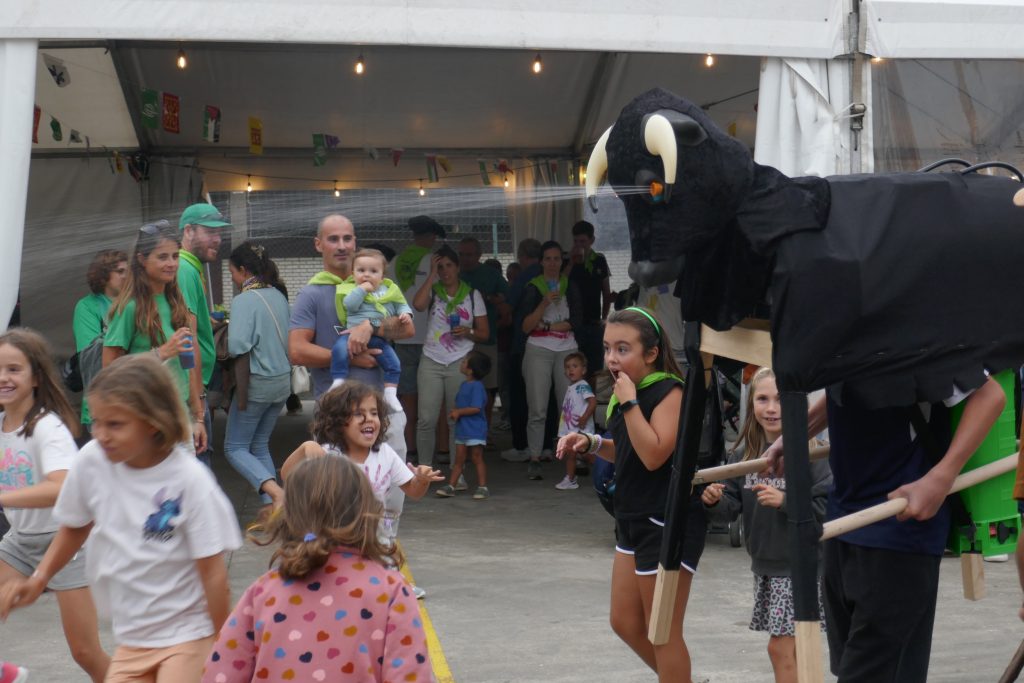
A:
[647,381]
[325,278]
[450,303]
[393,295]
[191,259]
[407,263]
[588,262]
[542,284]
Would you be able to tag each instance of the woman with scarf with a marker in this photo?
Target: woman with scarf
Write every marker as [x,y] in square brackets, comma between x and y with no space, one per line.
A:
[557,310]
[456,319]
[258,342]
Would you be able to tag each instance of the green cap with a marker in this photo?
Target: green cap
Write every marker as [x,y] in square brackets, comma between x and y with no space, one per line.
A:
[205,215]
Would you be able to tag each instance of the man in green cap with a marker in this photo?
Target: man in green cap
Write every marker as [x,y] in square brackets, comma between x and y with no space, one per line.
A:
[200,226]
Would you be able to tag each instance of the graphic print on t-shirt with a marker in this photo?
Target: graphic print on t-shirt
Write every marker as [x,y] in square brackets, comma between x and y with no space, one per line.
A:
[158,525]
[15,470]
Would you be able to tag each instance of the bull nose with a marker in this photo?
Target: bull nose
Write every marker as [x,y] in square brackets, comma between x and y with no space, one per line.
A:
[652,274]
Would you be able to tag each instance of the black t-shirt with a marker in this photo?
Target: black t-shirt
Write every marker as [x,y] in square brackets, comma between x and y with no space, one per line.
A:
[639,492]
[590,282]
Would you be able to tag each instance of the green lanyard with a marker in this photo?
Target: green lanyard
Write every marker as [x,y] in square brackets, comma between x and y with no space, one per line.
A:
[647,381]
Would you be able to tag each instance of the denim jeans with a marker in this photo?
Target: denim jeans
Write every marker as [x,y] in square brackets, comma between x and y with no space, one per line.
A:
[387,361]
[206,457]
[247,442]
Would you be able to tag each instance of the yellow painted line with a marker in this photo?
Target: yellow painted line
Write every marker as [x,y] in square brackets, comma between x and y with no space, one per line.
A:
[437,659]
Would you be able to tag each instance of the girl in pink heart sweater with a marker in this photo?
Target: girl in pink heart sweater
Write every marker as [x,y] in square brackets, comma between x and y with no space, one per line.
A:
[330,610]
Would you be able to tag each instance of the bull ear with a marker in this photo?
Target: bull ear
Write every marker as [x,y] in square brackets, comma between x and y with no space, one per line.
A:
[688,131]
[597,169]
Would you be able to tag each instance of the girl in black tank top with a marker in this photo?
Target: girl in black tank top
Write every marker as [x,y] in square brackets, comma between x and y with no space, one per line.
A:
[643,417]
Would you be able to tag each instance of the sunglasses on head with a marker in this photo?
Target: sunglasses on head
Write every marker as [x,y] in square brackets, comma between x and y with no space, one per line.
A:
[154,229]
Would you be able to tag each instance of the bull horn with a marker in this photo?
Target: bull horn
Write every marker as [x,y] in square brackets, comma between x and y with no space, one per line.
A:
[660,139]
[597,168]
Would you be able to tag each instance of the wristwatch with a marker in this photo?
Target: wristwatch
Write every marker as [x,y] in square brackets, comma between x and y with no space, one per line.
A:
[375,323]
[627,405]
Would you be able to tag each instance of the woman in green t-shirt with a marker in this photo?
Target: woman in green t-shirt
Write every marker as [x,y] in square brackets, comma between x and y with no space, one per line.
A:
[149,315]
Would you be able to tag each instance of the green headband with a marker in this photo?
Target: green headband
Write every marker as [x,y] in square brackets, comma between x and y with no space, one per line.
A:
[657,328]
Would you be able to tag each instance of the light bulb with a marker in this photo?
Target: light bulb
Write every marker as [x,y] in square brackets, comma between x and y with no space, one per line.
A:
[877,60]
[506,181]
[537,65]
[248,184]
[423,193]
[337,192]
[182,62]
[709,60]
[360,65]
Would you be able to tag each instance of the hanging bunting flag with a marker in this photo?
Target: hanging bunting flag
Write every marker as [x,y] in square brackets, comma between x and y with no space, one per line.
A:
[485,177]
[211,123]
[172,113]
[732,128]
[371,152]
[396,154]
[503,166]
[553,165]
[150,108]
[58,135]
[332,141]
[319,149]
[445,164]
[110,162]
[57,69]
[75,136]
[36,114]
[431,168]
[118,162]
[255,135]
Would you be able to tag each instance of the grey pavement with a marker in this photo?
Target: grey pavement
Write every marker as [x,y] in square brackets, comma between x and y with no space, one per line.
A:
[518,590]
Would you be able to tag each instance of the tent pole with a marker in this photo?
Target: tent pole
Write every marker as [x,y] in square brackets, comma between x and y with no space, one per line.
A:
[18,85]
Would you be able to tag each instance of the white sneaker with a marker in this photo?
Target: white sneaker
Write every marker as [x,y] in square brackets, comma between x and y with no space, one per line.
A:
[997,558]
[419,592]
[567,484]
[515,455]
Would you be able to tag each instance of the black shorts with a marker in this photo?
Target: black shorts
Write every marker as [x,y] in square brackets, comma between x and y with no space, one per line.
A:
[641,538]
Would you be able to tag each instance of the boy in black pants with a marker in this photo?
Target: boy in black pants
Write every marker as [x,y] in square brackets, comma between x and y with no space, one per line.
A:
[881,581]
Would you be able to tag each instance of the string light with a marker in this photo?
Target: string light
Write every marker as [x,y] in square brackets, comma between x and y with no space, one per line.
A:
[877,60]
[537,65]
[360,65]
[506,180]
[423,193]
[182,61]
[709,60]
[248,184]
[337,192]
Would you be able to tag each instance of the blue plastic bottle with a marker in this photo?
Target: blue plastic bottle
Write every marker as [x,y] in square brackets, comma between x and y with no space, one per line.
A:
[187,357]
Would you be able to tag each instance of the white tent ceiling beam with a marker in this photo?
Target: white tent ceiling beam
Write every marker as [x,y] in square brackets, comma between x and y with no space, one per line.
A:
[944,29]
[788,28]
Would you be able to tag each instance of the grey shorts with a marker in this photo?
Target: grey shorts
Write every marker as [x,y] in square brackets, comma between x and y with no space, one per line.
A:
[491,351]
[24,552]
[409,356]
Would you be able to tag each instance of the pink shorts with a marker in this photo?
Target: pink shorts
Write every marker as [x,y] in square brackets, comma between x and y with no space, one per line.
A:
[172,664]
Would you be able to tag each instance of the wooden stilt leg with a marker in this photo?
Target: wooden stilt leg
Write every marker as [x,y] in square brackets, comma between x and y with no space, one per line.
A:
[665,589]
[973,571]
[809,656]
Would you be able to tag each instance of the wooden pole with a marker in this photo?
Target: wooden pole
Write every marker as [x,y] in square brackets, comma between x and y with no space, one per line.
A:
[738,469]
[684,462]
[876,513]
[1013,669]
[803,538]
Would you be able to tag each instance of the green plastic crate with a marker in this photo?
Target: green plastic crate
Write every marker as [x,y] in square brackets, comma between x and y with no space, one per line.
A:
[991,504]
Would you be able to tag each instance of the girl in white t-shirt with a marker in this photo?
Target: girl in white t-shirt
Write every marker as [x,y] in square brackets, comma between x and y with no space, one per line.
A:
[351,420]
[157,522]
[36,450]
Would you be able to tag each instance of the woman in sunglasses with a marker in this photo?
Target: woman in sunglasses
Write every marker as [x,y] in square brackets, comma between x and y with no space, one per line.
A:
[150,316]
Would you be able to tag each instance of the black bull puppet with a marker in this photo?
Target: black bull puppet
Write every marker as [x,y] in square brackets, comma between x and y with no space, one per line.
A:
[888,288]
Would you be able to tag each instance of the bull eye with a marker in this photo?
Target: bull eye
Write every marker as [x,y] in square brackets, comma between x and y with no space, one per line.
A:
[653,185]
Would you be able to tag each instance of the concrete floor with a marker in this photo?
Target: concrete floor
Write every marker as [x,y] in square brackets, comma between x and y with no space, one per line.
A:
[518,592]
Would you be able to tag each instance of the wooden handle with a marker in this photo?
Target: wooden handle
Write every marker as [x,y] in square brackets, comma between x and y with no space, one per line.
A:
[876,513]
[664,605]
[1014,668]
[738,469]
[809,657]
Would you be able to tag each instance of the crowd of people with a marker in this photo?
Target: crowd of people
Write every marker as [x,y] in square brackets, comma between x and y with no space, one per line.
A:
[407,357]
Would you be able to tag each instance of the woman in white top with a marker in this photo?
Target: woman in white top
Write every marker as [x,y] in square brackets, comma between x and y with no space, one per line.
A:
[556,309]
[456,319]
